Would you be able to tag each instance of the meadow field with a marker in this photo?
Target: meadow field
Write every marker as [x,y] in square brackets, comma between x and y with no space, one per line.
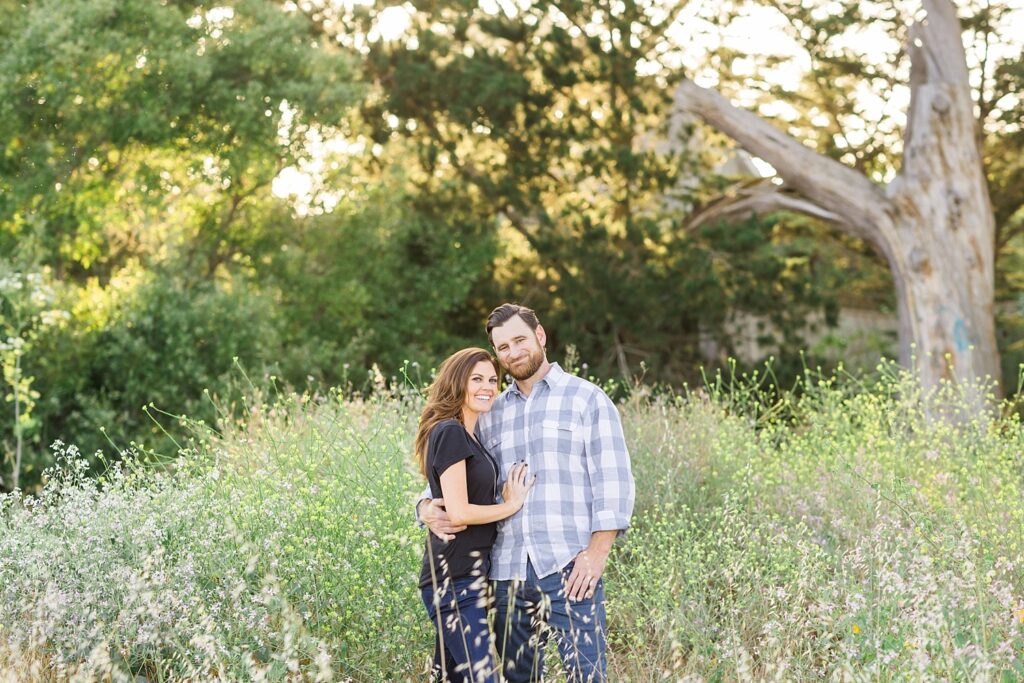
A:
[847,532]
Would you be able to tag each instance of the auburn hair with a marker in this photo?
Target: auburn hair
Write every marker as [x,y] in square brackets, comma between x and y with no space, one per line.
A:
[446,396]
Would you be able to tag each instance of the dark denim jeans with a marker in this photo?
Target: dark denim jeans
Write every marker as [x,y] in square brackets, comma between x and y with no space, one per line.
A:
[463,647]
[528,612]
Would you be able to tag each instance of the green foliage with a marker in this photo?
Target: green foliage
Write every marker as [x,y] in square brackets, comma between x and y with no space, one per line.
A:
[140,141]
[384,278]
[114,114]
[484,157]
[145,555]
[379,279]
[24,314]
[145,339]
[339,478]
[777,269]
[560,117]
[844,533]
[1005,166]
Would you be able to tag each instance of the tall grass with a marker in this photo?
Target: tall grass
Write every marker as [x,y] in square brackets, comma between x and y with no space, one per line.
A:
[848,533]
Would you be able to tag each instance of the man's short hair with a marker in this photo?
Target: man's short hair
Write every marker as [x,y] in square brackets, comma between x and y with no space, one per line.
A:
[505,312]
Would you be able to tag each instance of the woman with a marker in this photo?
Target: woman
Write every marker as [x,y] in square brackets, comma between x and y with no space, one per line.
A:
[453,581]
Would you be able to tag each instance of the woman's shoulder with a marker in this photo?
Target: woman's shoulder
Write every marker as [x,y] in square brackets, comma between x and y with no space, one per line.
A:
[448,429]
[449,442]
[450,423]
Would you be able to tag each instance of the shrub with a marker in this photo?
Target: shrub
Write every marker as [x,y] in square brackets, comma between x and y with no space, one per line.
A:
[847,534]
[145,338]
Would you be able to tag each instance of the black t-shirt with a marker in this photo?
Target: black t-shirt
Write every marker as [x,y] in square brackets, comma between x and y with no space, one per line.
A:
[468,554]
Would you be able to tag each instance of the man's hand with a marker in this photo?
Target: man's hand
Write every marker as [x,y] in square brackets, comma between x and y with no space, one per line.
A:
[589,566]
[432,514]
[587,569]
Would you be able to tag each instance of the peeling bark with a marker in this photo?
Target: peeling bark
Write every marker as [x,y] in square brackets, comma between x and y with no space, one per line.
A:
[933,223]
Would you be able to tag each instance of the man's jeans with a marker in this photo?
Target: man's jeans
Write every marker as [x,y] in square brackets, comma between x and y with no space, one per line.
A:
[462,640]
[528,612]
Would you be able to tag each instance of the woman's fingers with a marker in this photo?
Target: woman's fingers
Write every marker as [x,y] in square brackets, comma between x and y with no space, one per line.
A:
[519,477]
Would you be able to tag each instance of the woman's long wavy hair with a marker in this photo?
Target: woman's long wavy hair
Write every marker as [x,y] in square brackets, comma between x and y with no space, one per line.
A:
[446,396]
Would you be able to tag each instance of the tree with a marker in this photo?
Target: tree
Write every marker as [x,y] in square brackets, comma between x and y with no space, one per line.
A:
[137,128]
[547,109]
[933,223]
[139,142]
[551,115]
[386,276]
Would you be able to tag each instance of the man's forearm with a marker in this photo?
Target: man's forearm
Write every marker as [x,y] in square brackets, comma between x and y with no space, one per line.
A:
[601,541]
[418,509]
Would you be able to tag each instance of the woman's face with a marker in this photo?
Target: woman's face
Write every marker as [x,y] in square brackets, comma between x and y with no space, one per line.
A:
[481,388]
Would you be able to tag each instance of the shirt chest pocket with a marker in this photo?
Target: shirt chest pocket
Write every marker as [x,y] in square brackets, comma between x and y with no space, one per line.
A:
[560,439]
[503,449]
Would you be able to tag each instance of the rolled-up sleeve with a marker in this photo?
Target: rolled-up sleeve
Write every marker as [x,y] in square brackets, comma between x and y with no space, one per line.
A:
[611,476]
[424,495]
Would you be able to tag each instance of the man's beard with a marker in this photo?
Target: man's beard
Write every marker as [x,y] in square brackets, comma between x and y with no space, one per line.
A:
[530,366]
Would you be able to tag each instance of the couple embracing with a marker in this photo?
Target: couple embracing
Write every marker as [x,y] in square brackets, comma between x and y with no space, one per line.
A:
[552,444]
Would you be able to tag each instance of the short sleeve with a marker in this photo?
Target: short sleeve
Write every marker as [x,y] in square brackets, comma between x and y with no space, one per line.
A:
[450,445]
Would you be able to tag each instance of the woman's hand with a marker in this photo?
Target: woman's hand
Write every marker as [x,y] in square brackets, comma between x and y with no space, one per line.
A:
[518,484]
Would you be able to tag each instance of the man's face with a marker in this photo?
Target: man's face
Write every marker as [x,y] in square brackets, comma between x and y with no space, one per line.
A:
[520,350]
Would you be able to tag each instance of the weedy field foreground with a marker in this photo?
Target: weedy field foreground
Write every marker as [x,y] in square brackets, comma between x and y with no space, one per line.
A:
[846,534]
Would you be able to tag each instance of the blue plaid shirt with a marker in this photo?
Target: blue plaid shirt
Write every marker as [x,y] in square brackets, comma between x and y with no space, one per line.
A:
[569,432]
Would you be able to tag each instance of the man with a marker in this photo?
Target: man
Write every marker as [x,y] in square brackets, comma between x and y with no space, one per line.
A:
[549,558]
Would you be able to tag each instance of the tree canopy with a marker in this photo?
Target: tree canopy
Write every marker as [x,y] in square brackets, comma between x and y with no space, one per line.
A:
[300,187]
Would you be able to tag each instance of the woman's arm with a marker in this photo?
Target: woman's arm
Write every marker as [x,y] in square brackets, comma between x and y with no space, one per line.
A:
[461,511]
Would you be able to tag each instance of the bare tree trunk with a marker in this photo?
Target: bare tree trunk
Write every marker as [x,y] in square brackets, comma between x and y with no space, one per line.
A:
[944,217]
[933,223]
[945,294]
